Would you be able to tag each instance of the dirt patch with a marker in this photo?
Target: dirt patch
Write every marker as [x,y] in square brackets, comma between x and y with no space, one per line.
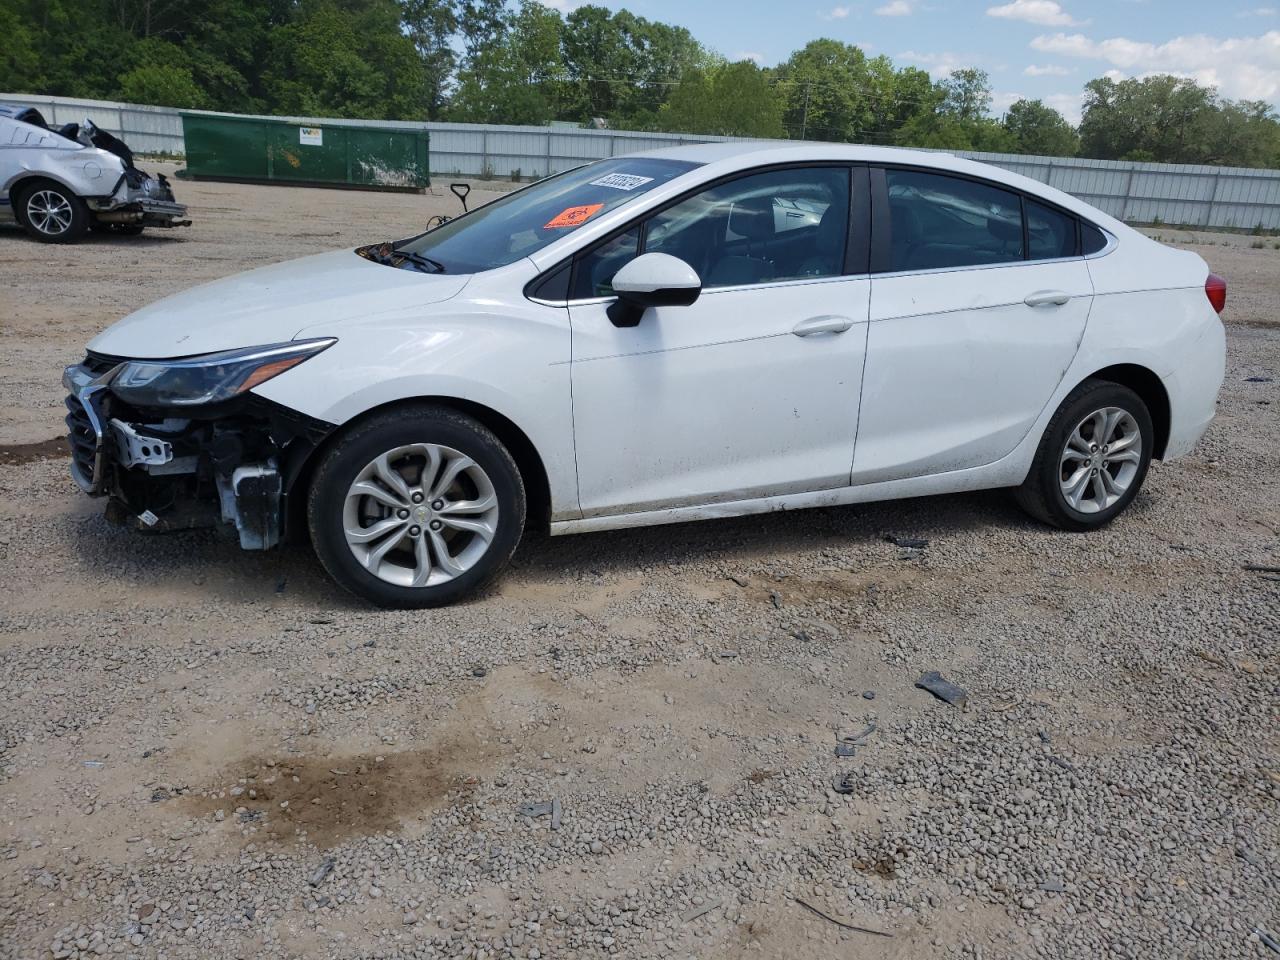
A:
[12,454]
[331,799]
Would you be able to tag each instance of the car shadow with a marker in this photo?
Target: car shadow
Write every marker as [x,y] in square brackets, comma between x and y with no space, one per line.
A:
[206,565]
[96,238]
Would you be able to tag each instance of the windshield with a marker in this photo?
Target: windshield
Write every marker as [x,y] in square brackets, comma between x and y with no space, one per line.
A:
[527,220]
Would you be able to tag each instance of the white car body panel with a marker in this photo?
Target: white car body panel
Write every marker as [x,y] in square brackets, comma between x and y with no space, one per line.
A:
[959,367]
[720,400]
[273,304]
[961,375]
[27,151]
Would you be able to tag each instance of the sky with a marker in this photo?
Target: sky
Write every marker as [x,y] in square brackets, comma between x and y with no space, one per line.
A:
[1038,49]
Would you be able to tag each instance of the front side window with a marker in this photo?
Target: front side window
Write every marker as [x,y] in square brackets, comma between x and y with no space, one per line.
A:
[778,225]
[525,221]
[937,221]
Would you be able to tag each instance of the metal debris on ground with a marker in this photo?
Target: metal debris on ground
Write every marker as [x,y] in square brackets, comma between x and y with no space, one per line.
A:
[842,783]
[1257,379]
[540,809]
[738,580]
[555,814]
[696,912]
[868,694]
[846,749]
[1268,940]
[943,689]
[840,923]
[907,543]
[320,872]
[1260,568]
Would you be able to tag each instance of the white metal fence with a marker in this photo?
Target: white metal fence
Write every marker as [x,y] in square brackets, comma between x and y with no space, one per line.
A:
[1199,196]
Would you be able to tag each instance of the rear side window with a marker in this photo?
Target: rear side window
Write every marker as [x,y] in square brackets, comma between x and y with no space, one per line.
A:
[1050,234]
[938,221]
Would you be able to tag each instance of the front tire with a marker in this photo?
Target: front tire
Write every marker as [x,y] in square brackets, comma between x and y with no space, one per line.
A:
[1092,459]
[417,506]
[51,213]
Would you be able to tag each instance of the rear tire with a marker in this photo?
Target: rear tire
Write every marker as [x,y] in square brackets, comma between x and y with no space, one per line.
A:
[417,506]
[51,213]
[1092,459]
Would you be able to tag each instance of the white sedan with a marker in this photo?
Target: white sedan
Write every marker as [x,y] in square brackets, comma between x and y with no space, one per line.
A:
[707,331]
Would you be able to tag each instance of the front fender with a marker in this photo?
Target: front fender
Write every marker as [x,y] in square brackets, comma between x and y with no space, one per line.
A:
[516,365]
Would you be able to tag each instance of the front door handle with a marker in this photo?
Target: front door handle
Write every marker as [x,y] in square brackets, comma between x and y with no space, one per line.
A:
[1047,298]
[807,328]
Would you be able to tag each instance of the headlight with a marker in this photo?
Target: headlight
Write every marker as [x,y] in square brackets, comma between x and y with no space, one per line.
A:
[210,378]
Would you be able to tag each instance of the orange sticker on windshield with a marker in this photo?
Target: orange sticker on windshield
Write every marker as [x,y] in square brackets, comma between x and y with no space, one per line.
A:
[573,216]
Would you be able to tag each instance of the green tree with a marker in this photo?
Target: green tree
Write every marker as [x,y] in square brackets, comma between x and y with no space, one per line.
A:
[160,75]
[431,25]
[1038,129]
[731,99]
[519,80]
[346,58]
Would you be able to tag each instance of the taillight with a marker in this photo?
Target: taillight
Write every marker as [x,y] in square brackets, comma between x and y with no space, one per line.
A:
[1215,288]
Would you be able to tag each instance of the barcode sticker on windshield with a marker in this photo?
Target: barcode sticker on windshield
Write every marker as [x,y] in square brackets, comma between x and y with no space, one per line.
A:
[622,181]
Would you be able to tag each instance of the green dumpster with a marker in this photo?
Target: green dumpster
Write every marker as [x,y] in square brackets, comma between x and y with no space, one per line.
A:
[224,146]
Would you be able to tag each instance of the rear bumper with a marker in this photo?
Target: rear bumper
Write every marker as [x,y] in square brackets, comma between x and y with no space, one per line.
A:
[1193,390]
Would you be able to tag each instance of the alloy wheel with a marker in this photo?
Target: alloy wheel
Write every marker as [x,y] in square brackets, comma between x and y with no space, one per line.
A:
[49,212]
[420,515]
[1100,460]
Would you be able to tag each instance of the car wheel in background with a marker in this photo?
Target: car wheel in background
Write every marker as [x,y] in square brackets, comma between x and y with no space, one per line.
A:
[1092,458]
[51,213]
[416,507]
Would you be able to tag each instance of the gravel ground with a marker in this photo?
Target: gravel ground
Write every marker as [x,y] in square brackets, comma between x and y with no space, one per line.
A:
[210,753]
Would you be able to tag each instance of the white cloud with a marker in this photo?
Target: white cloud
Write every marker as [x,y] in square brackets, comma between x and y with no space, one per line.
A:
[757,58]
[895,8]
[1048,71]
[835,13]
[1067,104]
[1245,67]
[1258,12]
[1070,105]
[939,65]
[1044,12]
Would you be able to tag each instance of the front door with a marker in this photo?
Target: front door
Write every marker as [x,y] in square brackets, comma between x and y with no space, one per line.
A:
[754,389]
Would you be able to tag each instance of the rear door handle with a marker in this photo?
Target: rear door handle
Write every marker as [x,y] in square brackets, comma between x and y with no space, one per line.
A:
[807,328]
[1047,298]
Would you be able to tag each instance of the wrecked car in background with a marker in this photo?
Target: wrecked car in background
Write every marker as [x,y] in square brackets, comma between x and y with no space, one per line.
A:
[58,184]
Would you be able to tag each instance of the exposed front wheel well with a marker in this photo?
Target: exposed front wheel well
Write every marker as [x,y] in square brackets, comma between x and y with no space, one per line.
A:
[1147,385]
[528,461]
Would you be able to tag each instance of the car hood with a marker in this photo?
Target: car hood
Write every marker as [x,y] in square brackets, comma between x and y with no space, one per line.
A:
[271,305]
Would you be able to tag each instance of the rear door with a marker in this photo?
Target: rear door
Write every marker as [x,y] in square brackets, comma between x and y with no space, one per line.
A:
[974,321]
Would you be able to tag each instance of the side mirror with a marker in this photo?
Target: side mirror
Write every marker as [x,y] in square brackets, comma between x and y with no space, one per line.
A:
[652,280]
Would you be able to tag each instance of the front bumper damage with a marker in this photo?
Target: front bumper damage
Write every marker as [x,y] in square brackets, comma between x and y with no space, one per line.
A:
[167,469]
[139,198]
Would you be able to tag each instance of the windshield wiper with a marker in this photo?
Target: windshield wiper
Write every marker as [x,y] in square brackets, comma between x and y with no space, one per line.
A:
[418,260]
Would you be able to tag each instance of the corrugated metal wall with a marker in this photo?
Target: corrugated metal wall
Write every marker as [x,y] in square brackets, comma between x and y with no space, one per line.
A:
[1138,192]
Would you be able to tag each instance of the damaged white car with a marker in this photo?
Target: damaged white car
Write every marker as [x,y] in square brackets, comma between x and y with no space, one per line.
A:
[59,184]
[657,338]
